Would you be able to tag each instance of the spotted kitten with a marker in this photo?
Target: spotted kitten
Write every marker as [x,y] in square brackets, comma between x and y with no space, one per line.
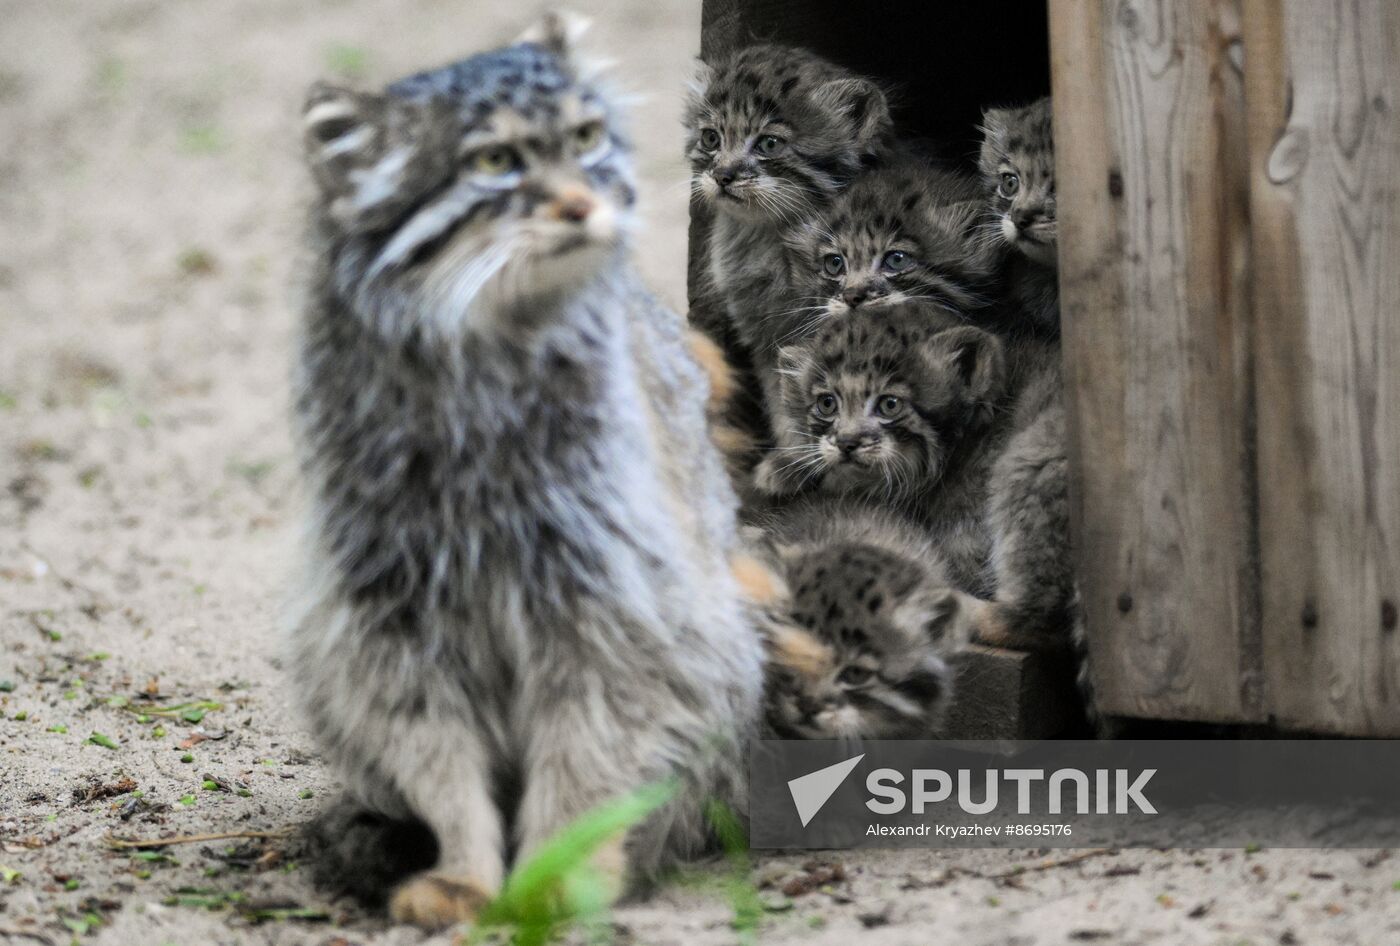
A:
[906,230]
[1017,163]
[874,622]
[772,132]
[897,406]
[518,601]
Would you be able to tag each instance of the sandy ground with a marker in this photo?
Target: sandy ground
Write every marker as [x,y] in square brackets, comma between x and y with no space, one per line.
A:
[150,193]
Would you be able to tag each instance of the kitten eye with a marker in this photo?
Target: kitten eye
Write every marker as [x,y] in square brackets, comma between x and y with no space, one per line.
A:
[588,136]
[496,160]
[769,145]
[1009,185]
[854,676]
[709,139]
[897,261]
[833,264]
[888,406]
[825,405]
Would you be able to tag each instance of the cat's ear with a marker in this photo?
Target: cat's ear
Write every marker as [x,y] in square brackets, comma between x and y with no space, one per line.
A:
[943,616]
[975,360]
[557,31]
[339,126]
[994,122]
[699,84]
[794,361]
[861,102]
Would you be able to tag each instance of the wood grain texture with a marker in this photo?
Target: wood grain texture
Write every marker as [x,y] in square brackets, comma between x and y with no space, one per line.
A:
[1324,105]
[1006,694]
[1154,250]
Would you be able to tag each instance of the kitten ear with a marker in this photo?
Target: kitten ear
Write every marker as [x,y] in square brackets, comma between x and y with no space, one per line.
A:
[794,361]
[943,615]
[699,84]
[862,102]
[994,122]
[557,31]
[339,127]
[975,360]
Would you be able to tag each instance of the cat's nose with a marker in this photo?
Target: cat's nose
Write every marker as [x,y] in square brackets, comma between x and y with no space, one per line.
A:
[1023,218]
[849,443]
[726,175]
[572,206]
[855,296]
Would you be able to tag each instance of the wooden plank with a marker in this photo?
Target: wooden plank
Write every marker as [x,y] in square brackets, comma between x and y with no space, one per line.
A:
[1153,251]
[1007,694]
[1324,105]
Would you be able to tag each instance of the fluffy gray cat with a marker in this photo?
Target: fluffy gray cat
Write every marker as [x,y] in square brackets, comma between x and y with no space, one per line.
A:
[906,230]
[1017,163]
[874,619]
[519,602]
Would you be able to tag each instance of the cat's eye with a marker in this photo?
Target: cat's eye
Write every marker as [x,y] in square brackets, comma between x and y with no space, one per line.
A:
[709,139]
[496,160]
[854,676]
[897,261]
[888,405]
[1010,184]
[769,145]
[833,264]
[825,405]
[588,136]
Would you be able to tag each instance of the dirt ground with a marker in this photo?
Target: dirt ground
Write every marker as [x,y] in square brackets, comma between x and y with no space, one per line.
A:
[150,193]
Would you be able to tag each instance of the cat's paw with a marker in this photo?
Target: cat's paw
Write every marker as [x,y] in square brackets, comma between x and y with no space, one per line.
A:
[770,477]
[434,900]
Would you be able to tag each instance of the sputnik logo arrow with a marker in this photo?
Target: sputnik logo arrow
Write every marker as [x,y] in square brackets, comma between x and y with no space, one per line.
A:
[811,791]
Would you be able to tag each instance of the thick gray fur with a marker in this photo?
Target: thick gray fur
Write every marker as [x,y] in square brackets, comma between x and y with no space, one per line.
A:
[830,123]
[1017,164]
[874,620]
[517,602]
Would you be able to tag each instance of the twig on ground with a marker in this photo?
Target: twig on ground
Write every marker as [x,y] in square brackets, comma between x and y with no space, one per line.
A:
[125,843]
[1070,861]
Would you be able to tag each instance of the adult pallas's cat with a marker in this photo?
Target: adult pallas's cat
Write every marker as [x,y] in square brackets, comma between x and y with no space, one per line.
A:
[519,602]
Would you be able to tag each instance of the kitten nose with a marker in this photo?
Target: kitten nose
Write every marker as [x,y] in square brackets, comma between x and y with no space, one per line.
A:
[1023,218]
[847,443]
[855,295]
[726,175]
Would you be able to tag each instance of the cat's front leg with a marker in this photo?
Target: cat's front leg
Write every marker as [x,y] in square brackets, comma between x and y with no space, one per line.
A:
[588,734]
[444,771]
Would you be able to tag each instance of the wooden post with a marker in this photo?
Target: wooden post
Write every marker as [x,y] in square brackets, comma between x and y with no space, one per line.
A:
[1323,87]
[1149,127]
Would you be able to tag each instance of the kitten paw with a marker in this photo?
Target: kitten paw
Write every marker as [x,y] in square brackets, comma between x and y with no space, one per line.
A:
[433,900]
[769,478]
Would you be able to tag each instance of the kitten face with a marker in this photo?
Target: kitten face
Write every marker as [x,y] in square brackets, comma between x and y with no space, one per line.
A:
[771,131]
[879,401]
[901,232]
[865,658]
[1017,162]
[499,178]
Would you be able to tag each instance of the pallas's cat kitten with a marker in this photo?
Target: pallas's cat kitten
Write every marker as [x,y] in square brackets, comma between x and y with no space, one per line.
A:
[771,133]
[873,624]
[906,230]
[898,406]
[1017,163]
[518,603]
